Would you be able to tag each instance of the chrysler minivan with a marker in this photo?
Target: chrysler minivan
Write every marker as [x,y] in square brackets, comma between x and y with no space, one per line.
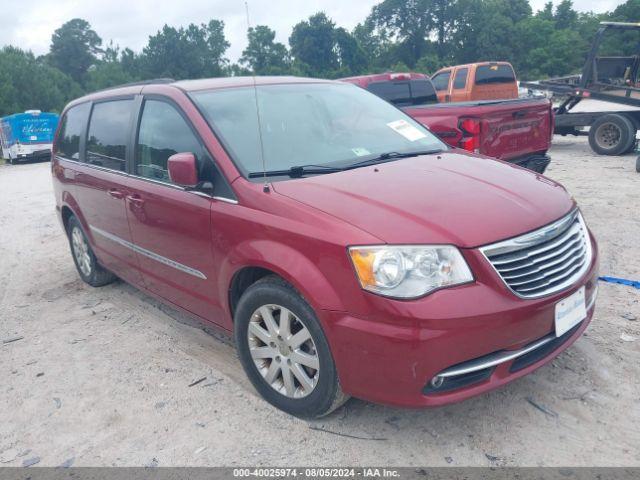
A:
[348,249]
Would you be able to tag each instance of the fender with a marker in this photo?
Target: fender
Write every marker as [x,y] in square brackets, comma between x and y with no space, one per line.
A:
[289,263]
[69,201]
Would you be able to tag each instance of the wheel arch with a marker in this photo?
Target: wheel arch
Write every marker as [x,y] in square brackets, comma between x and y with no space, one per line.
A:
[265,257]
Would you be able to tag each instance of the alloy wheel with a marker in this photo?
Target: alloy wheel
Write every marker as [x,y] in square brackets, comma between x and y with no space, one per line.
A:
[81,251]
[283,351]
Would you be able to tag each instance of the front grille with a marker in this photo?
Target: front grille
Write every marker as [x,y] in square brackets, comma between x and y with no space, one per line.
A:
[544,261]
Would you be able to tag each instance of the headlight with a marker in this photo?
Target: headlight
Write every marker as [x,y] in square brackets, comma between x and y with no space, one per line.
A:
[409,271]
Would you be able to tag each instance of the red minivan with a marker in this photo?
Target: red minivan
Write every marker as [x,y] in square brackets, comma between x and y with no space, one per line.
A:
[349,250]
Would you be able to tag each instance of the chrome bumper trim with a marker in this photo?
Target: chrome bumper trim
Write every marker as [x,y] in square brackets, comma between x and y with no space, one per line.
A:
[497,358]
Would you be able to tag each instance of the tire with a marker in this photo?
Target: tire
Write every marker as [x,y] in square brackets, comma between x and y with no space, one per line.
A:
[612,135]
[280,350]
[638,164]
[85,260]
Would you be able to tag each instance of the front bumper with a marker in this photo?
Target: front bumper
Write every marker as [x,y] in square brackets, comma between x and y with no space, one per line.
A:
[478,336]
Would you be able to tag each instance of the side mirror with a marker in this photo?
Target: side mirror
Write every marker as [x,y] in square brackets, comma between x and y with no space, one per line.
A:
[183,170]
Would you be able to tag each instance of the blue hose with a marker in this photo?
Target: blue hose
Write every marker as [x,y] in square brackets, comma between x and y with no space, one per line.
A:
[621,281]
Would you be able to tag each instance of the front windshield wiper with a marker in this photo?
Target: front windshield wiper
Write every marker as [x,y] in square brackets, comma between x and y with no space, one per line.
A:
[390,156]
[297,171]
[302,170]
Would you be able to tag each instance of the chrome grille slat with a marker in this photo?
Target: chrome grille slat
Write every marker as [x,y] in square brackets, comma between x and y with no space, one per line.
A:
[549,281]
[544,261]
[532,252]
[574,252]
[572,243]
[551,273]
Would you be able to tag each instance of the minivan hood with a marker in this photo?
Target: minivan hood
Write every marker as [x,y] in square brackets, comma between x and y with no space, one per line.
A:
[450,198]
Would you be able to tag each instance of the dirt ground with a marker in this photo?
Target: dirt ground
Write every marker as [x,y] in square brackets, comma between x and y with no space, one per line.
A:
[101,376]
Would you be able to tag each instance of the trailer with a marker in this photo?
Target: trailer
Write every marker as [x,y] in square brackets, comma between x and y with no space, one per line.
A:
[27,136]
[605,97]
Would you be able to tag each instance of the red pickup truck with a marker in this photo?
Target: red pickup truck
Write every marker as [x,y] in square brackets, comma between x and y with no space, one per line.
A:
[515,130]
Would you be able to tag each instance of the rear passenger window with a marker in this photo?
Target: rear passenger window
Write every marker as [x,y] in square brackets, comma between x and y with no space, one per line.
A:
[71,128]
[109,131]
[441,81]
[460,80]
[163,132]
[422,92]
[397,93]
[486,74]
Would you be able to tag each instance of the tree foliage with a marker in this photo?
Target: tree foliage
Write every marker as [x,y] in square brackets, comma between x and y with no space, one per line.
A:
[74,48]
[263,55]
[193,52]
[29,83]
[319,48]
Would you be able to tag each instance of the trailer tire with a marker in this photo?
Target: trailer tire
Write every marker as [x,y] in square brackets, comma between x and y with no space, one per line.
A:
[612,134]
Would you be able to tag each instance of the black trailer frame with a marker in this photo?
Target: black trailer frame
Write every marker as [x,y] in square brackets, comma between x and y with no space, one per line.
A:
[574,88]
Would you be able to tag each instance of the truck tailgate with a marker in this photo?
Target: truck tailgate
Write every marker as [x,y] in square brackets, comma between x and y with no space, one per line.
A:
[509,129]
[514,130]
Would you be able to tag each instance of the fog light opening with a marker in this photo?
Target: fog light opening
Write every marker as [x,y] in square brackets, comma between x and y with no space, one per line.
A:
[436,382]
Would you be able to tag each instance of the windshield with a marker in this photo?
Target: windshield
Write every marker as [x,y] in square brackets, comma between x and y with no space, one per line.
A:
[309,124]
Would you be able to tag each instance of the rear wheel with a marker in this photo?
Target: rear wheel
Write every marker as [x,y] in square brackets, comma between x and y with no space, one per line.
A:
[86,263]
[612,135]
[284,352]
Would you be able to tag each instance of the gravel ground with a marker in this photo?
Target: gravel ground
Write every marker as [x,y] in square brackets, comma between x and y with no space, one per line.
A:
[101,376]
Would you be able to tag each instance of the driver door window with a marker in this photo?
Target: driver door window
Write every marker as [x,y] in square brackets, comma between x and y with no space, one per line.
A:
[163,132]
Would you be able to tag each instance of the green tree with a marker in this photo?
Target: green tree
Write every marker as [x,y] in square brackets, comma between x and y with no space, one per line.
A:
[74,48]
[30,83]
[194,52]
[322,50]
[312,45]
[110,71]
[263,54]
[565,16]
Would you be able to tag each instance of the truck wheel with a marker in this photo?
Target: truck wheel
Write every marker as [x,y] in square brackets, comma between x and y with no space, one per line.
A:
[284,351]
[86,262]
[612,135]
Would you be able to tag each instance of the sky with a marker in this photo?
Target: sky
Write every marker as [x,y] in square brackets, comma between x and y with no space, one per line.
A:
[30,24]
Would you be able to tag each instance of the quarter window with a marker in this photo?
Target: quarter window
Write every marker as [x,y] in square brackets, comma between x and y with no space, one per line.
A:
[109,133]
[71,128]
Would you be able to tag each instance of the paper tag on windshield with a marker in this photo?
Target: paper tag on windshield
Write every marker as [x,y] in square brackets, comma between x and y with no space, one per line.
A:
[360,152]
[407,130]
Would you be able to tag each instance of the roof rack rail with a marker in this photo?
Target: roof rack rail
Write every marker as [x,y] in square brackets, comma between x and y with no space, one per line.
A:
[154,81]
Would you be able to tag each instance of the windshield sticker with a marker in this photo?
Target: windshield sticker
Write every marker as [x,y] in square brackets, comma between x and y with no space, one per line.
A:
[407,130]
[360,152]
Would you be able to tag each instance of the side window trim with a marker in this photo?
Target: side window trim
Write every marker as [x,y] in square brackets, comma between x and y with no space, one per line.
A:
[136,134]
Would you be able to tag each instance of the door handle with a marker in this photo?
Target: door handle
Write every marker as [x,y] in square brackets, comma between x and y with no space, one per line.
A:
[115,193]
[135,200]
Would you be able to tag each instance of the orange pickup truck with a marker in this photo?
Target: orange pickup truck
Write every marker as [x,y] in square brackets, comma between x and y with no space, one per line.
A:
[475,81]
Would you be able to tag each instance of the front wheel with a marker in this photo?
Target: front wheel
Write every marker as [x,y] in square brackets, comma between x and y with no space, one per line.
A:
[86,263]
[284,351]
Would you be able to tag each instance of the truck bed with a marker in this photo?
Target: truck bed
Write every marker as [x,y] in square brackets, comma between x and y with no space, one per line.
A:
[509,129]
